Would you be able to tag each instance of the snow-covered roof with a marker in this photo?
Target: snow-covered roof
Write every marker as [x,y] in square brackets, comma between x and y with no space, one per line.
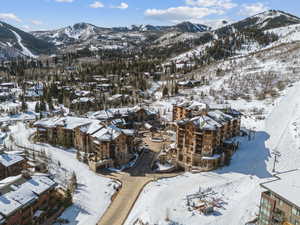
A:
[8,205]
[91,128]
[10,159]
[83,99]
[39,184]
[219,116]
[22,192]
[219,106]
[82,93]
[112,113]
[287,186]
[67,122]
[192,105]
[111,132]
[205,123]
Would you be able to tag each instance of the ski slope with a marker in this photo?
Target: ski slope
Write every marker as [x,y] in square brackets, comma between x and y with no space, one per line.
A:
[25,50]
[237,184]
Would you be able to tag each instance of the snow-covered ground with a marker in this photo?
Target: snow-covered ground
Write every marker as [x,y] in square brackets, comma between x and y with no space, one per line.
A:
[237,184]
[94,192]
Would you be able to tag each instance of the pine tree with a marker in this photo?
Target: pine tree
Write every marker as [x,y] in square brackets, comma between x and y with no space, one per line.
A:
[165,91]
[24,105]
[43,106]
[37,107]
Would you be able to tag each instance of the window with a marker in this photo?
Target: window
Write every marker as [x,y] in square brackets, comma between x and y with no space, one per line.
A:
[295,222]
[295,212]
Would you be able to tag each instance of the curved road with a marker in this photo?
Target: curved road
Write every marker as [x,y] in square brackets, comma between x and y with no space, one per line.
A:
[133,182]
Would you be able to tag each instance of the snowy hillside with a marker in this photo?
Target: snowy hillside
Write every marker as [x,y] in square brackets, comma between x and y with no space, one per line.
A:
[271,19]
[236,185]
[275,120]
[286,34]
[15,42]
[84,35]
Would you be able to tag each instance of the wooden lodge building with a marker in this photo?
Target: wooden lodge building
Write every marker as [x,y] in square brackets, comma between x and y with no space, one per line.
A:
[202,134]
[100,145]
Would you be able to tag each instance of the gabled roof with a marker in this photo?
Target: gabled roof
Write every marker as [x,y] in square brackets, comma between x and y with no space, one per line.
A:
[219,116]
[111,133]
[205,123]
[66,122]
[192,105]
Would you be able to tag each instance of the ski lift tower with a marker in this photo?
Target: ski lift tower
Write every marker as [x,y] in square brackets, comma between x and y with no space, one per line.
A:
[277,155]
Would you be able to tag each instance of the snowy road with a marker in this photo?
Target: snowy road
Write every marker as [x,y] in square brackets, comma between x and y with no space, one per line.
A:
[94,193]
[237,184]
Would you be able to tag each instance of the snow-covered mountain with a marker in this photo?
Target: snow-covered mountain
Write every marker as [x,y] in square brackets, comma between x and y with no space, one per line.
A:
[268,20]
[284,25]
[15,42]
[83,35]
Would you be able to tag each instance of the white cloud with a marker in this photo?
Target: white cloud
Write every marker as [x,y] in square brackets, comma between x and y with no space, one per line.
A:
[10,16]
[36,22]
[226,4]
[65,1]
[123,5]
[253,9]
[26,27]
[96,5]
[181,13]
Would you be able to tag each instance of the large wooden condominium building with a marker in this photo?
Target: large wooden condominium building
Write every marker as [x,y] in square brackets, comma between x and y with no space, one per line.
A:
[280,203]
[28,200]
[100,145]
[202,136]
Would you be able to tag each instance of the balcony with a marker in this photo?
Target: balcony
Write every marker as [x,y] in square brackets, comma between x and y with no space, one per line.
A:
[278,217]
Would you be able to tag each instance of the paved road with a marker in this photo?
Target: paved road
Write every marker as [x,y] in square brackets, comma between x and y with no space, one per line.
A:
[133,182]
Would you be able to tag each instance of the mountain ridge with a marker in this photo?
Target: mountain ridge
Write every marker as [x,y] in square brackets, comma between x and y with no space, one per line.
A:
[15,42]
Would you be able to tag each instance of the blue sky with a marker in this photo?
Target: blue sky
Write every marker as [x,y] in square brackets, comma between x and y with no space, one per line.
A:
[52,14]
